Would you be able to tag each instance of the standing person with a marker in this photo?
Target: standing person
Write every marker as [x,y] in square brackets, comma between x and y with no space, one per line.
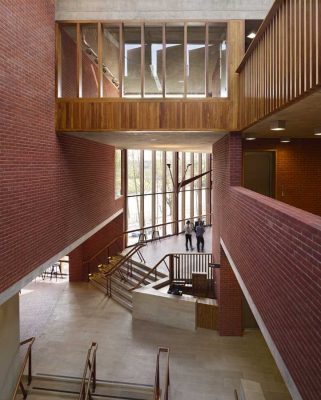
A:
[198,222]
[200,236]
[188,228]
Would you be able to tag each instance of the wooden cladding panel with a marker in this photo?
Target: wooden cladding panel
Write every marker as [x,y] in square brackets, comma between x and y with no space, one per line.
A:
[120,114]
[206,316]
[285,61]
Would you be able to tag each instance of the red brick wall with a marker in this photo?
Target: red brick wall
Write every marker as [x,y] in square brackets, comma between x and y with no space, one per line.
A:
[298,171]
[230,300]
[277,250]
[53,189]
[78,268]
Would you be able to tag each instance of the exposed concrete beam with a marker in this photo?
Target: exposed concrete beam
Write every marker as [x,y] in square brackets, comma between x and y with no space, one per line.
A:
[161,10]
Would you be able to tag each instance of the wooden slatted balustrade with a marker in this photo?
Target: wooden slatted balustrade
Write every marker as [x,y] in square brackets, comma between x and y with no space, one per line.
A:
[181,267]
[283,62]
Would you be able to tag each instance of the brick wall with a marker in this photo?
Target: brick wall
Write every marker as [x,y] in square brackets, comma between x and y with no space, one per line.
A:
[277,250]
[78,268]
[53,189]
[229,296]
[298,171]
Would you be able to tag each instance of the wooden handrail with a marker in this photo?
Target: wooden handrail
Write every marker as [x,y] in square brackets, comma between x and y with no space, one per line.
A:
[137,230]
[134,250]
[90,366]
[166,223]
[160,394]
[273,10]
[149,273]
[104,248]
[174,255]
[26,358]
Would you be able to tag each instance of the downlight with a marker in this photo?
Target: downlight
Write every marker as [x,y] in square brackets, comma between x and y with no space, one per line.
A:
[251,35]
[278,125]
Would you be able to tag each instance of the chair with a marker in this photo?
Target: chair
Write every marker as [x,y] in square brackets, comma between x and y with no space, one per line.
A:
[155,235]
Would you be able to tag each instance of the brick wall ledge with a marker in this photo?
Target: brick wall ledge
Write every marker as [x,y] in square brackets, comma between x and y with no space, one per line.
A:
[296,214]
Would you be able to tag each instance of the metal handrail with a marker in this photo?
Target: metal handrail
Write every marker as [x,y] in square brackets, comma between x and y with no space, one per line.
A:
[90,366]
[160,394]
[122,261]
[104,248]
[174,255]
[27,358]
[138,230]
[150,272]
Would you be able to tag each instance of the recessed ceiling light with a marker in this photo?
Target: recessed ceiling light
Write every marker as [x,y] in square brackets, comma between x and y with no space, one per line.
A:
[251,35]
[285,140]
[153,140]
[277,125]
[250,138]
[317,131]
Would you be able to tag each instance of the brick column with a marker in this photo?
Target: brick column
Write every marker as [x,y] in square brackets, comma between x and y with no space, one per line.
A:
[229,298]
[76,267]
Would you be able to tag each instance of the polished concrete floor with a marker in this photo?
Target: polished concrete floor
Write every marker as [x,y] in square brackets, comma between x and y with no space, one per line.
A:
[67,317]
[156,250]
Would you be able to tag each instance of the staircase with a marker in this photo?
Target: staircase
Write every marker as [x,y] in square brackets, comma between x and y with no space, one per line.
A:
[122,280]
[64,387]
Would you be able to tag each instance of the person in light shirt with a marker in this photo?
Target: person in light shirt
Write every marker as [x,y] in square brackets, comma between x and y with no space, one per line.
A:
[188,228]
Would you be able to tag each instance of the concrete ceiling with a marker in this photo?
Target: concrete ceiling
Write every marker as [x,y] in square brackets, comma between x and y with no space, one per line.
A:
[200,142]
[302,117]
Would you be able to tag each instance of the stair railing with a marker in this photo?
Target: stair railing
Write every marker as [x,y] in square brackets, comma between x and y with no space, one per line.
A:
[181,266]
[151,271]
[88,383]
[126,259]
[26,359]
[104,254]
[161,391]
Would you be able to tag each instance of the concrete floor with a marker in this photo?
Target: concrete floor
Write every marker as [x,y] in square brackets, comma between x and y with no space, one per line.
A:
[156,250]
[67,317]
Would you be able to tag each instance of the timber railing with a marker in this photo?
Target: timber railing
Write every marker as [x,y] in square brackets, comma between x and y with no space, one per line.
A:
[128,260]
[26,359]
[88,383]
[180,266]
[161,385]
[103,255]
[283,62]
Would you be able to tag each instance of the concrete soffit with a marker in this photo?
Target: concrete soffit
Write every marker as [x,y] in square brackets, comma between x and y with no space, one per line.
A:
[166,10]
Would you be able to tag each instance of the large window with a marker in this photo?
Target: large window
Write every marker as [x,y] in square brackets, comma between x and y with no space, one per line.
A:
[152,198]
[111,57]
[135,60]
[132,61]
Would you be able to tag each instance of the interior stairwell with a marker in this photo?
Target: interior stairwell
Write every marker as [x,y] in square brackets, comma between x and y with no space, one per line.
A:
[54,387]
[119,283]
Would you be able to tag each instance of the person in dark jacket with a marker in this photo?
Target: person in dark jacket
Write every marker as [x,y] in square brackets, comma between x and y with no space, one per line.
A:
[200,236]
